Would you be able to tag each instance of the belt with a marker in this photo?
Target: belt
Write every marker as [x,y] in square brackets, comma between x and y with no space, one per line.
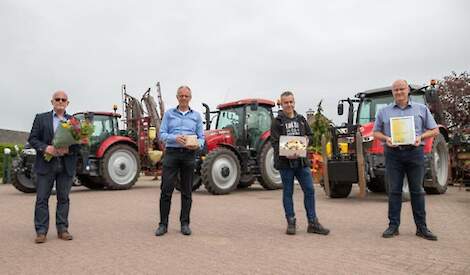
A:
[179,149]
[58,158]
[404,147]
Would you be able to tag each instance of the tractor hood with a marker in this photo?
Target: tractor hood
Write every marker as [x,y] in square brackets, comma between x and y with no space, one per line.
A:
[212,133]
[215,137]
[367,130]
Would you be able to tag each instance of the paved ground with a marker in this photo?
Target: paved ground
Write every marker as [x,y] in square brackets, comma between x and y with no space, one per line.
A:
[241,233]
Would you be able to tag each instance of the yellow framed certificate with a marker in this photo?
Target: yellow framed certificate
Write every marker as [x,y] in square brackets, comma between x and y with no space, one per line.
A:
[402,130]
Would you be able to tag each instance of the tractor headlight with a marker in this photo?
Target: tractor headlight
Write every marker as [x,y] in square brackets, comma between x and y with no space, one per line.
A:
[30,151]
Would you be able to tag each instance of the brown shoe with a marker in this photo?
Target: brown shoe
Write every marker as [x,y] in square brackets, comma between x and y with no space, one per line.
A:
[65,236]
[40,238]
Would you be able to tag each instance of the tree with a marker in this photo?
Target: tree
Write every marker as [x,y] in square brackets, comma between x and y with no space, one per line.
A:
[319,125]
[454,94]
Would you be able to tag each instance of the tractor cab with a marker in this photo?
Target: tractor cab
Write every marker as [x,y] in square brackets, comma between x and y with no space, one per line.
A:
[370,102]
[105,125]
[247,120]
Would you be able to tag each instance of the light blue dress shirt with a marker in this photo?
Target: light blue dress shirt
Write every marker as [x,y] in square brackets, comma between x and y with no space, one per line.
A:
[422,117]
[56,120]
[176,123]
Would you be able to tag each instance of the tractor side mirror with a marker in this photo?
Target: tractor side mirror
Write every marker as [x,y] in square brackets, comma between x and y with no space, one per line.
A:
[207,116]
[340,108]
[254,106]
[432,95]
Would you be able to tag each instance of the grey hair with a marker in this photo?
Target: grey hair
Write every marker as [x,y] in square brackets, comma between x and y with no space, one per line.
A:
[287,93]
[182,87]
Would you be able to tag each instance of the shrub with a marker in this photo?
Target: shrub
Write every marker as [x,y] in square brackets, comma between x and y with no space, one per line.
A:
[12,155]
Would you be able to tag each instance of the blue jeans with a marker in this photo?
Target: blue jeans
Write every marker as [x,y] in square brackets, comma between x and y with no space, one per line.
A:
[304,176]
[399,163]
[44,185]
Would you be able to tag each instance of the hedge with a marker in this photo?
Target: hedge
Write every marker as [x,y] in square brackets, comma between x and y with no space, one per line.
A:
[13,153]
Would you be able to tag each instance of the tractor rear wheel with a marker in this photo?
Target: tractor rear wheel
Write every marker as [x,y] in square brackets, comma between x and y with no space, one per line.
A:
[270,177]
[220,171]
[121,167]
[196,182]
[439,166]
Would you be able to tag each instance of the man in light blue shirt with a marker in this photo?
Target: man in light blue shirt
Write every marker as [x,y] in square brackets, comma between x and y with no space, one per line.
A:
[405,160]
[179,126]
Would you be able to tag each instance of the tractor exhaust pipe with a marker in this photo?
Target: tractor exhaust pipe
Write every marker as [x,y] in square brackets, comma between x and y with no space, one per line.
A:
[207,115]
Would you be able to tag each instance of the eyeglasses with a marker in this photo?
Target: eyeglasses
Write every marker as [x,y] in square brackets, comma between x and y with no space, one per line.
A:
[60,99]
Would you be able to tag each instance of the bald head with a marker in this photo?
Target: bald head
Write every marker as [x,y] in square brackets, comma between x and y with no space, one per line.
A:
[59,102]
[400,91]
[59,94]
[399,83]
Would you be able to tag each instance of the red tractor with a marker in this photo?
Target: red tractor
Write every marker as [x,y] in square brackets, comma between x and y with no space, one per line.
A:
[237,151]
[364,162]
[115,157]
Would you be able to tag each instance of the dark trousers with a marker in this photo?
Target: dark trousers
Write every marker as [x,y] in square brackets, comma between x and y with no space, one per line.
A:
[177,162]
[304,176]
[44,187]
[399,163]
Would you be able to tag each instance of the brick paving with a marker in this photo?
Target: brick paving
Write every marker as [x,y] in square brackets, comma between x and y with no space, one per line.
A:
[241,233]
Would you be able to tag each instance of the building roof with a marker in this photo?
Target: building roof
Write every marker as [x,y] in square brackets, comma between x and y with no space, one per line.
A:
[13,137]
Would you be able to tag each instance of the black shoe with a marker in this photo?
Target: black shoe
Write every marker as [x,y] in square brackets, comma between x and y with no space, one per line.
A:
[185,230]
[390,232]
[425,233]
[161,230]
[290,226]
[314,226]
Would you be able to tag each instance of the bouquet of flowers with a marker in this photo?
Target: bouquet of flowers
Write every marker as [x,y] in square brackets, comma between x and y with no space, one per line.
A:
[70,132]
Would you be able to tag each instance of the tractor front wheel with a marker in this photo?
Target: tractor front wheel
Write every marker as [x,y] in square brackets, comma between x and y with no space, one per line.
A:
[120,167]
[220,171]
[24,182]
[93,183]
[340,190]
[196,182]
[246,181]
[377,184]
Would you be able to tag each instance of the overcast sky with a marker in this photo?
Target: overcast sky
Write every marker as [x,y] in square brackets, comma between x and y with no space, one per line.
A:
[224,50]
